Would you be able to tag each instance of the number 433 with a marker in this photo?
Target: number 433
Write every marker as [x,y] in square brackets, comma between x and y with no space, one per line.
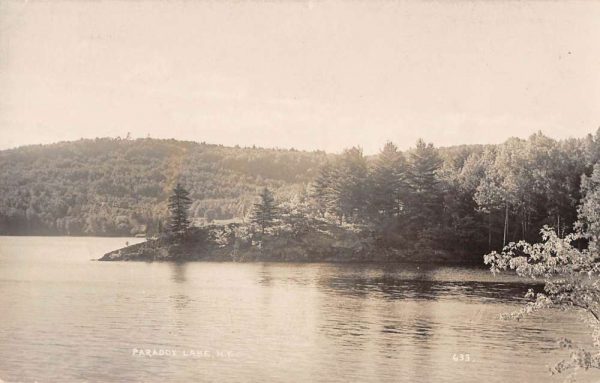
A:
[461,357]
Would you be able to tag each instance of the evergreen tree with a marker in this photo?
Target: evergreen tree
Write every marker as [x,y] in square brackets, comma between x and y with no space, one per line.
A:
[426,199]
[349,185]
[265,211]
[322,192]
[179,203]
[388,183]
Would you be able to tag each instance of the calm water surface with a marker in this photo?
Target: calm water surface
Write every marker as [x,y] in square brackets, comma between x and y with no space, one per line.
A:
[66,318]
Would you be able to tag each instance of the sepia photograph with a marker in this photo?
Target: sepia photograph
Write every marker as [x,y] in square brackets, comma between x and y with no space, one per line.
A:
[323,191]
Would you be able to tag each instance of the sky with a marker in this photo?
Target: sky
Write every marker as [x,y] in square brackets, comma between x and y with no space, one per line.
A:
[304,74]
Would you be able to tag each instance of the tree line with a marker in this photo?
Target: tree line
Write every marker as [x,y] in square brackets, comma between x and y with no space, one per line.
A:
[460,199]
[468,199]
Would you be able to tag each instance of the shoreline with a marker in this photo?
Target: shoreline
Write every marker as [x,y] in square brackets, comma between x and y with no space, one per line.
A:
[332,262]
[281,249]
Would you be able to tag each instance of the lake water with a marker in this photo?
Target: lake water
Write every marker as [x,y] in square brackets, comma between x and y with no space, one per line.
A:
[64,317]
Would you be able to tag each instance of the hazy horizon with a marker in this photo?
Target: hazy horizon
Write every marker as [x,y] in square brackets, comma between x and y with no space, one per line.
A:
[312,75]
[403,148]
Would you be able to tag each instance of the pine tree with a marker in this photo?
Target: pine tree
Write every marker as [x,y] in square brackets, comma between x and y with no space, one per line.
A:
[179,203]
[265,211]
[388,183]
[349,185]
[321,190]
[426,200]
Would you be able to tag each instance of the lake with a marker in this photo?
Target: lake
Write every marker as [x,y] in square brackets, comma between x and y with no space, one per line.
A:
[64,317]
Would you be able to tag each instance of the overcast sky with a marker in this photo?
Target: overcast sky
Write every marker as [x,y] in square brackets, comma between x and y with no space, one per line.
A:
[304,74]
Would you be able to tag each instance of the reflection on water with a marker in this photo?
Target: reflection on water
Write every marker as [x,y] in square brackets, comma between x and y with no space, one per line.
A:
[411,281]
[178,272]
[65,318]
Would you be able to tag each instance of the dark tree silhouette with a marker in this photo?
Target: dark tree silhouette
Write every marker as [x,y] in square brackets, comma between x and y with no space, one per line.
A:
[179,203]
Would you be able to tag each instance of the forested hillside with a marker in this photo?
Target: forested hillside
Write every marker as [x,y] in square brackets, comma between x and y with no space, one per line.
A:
[120,187]
[463,198]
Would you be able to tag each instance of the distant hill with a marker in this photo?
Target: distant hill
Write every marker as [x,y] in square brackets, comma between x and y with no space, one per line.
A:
[111,186]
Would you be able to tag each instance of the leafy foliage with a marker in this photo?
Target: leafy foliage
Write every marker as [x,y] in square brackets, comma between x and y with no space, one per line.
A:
[120,187]
[571,274]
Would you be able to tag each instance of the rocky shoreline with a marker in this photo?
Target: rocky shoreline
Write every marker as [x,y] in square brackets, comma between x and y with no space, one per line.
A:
[224,243]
